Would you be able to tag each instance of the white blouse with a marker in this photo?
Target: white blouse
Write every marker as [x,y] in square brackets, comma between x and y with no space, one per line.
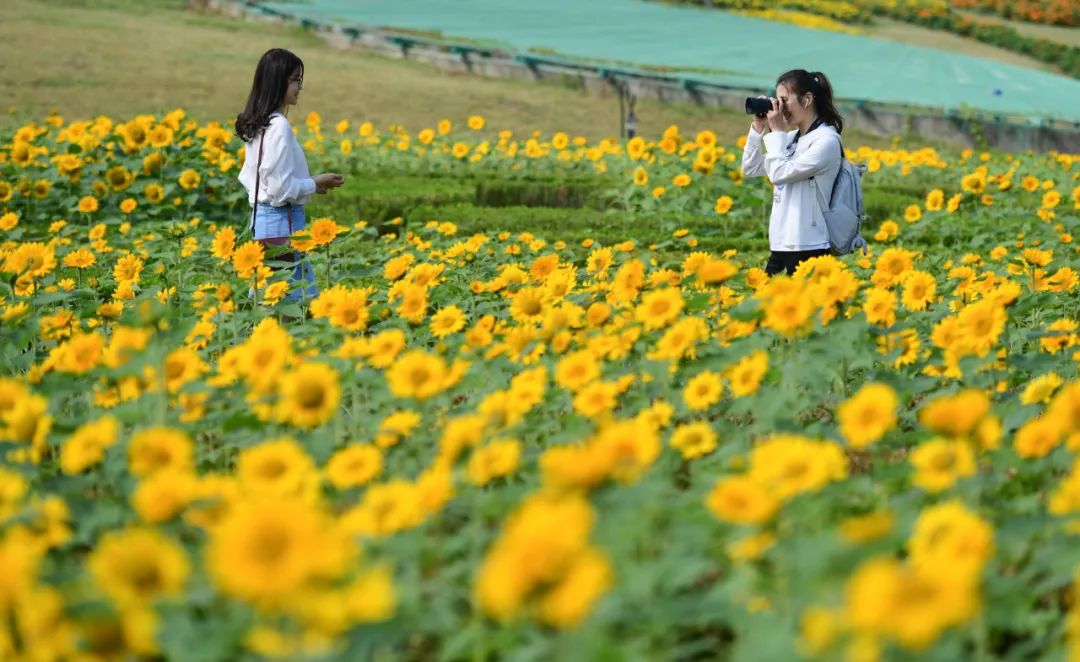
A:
[797,222]
[284,177]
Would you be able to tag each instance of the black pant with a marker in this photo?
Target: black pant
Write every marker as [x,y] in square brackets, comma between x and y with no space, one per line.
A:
[789,260]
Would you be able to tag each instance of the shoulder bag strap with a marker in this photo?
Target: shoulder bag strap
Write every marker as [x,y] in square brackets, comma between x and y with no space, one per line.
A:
[258,166]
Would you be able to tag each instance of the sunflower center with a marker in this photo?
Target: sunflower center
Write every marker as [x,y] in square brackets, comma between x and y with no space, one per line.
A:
[145,577]
[272,469]
[419,376]
[310,395]
[270,546]
[943,461]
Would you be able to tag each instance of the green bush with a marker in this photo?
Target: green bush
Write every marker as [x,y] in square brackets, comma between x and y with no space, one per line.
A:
[714,233]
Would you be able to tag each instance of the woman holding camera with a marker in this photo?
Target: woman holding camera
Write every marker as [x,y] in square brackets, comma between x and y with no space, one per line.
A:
[801,133]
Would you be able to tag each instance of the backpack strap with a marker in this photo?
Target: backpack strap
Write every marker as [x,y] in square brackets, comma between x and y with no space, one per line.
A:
[820,194]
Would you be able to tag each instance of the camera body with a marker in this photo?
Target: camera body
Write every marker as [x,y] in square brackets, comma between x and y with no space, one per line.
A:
[757,106]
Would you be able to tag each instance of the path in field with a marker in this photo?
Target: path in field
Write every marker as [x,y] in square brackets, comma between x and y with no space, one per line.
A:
[736,50]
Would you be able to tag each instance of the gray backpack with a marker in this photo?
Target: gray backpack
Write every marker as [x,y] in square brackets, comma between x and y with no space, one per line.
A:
[843,210]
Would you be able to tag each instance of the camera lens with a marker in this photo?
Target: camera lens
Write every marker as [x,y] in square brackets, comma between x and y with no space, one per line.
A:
[759,107]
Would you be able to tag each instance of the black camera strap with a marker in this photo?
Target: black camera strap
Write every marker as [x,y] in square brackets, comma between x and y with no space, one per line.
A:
[818,122]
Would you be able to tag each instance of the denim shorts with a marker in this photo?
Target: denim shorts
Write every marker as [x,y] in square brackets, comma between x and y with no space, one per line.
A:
[273,222]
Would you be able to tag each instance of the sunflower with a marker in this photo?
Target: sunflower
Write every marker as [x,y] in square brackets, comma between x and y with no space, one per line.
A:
[414,304]
[32,259]
[744,377]
[529,305]
[417,374]
[940,462]
[742,500]
[723,204]
[128,205]
[681,180]
[1039,390]
[135,135]
[119,178]
[447,321]
[247,258]
[956,415]
[494,460]
[41,188]
[159,449]
[788,313]
[269,551]
[641,176]
[981,324]
[354,465]
[224,244]
[9,220]
[278,468]
[866,416]
[128,268]
[576,370]
[87,445]
[694,440]
[189,179]
[974,183]
[703,390]
[880,306]
[152,163]
[659,308]
[136,567]
[154,193]
[935,199]
[595,399]
[182,366]
[385,347]
[309,395]
[919,290]
[350,312]
[88,204]
[325,230]
[475,122]
[160,136]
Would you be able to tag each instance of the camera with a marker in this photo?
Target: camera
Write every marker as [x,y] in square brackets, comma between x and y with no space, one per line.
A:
[759,107]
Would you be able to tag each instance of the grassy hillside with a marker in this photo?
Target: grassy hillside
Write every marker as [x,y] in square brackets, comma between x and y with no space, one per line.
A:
[121,57]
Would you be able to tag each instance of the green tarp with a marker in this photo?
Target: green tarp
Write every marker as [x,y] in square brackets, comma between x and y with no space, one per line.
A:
[719,47]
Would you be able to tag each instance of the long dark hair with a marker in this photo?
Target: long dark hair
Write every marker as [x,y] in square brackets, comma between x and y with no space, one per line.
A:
[802,81]
[268,90]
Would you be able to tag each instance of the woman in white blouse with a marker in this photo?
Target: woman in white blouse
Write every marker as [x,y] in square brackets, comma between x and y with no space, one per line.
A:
[801,135]
[275,171]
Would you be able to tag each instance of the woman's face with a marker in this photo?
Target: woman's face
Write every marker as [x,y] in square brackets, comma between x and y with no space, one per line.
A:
[296,83]
[796,108]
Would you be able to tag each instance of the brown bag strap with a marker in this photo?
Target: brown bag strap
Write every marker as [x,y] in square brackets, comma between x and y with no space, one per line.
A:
[258,166]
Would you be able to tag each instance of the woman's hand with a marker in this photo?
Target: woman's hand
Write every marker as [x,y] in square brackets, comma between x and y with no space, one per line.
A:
[327,181]
[775,117]
[760,123]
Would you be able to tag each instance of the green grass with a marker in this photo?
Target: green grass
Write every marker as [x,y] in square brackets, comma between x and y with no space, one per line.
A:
[892,30]
[122,57]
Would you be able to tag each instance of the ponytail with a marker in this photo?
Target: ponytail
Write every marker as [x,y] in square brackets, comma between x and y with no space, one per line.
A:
[816,83]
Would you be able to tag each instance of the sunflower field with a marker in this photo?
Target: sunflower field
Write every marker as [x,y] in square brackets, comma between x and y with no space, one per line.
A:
[601,435]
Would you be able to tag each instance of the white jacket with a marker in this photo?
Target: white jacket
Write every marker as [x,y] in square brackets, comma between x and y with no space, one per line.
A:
[797,222]
[284,177]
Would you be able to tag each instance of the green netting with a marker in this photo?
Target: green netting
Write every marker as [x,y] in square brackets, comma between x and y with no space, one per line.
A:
[718,47]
